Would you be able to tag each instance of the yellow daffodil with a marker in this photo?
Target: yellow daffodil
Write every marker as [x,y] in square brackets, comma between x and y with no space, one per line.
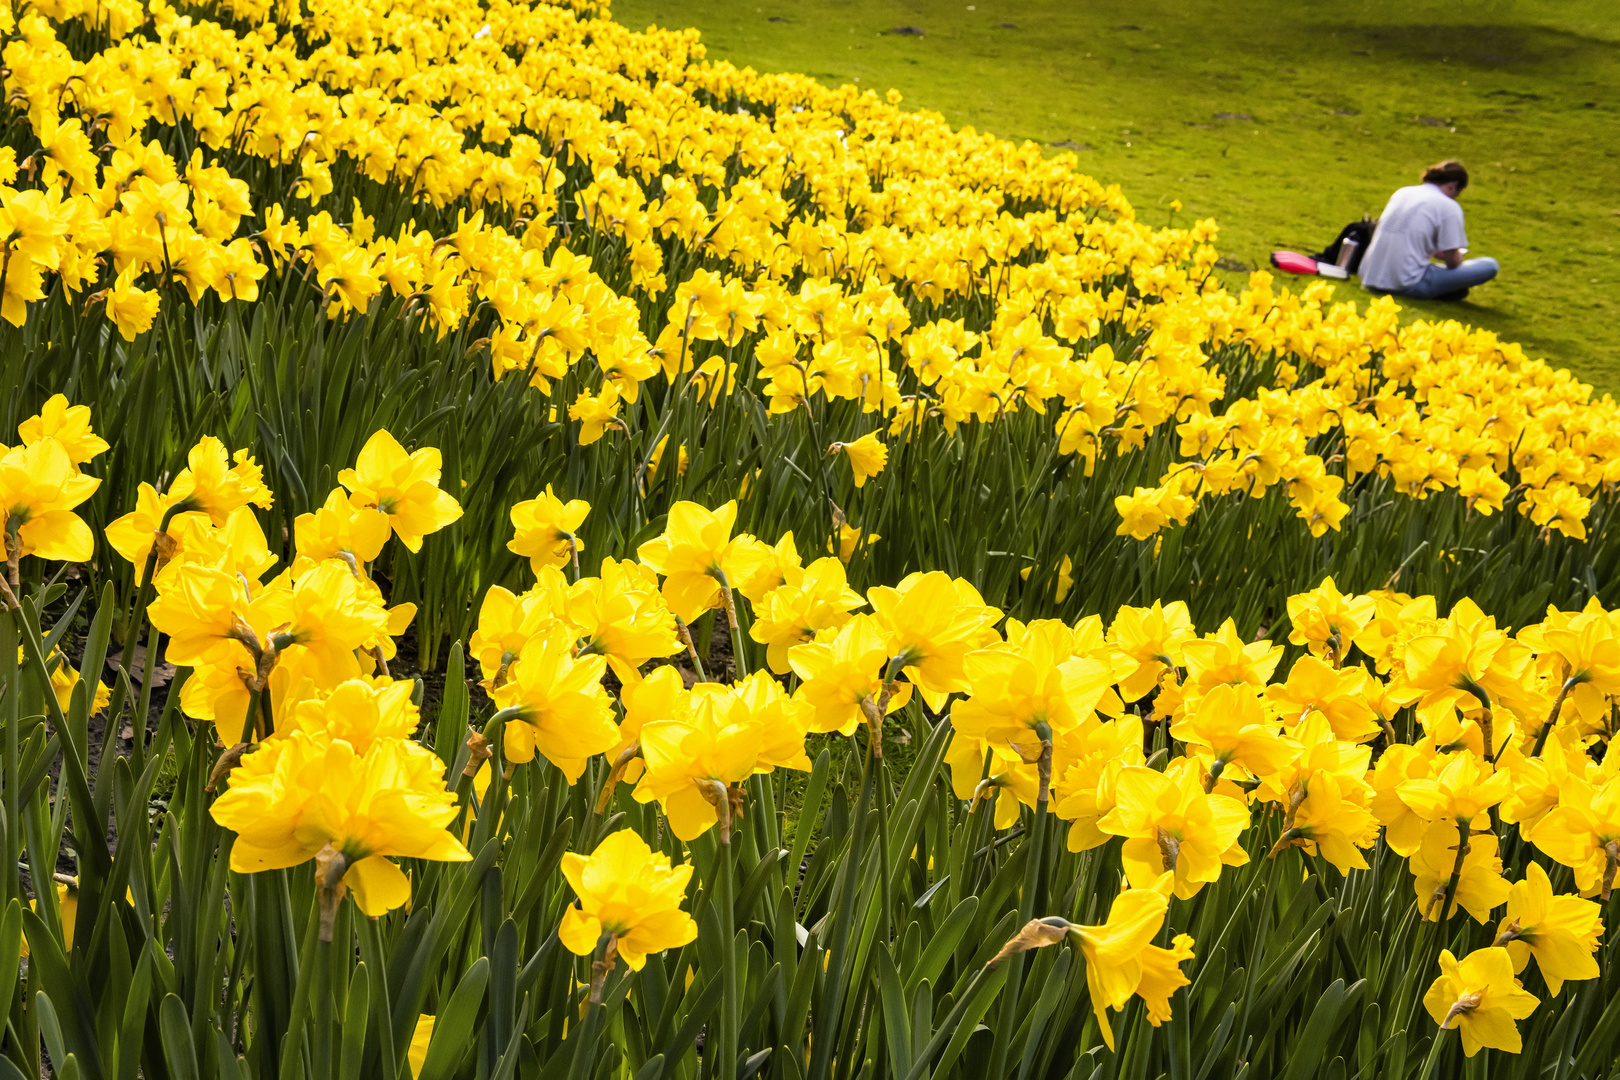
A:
[1117,955]
[299,793]
[1561,932]
[403,486]
[1480,997]
[712,740]
[210,482]
[39,489]
[1171,825]
[1231,727]
[630,893]
[698,557]
[359,712]
[622,616]
[544,530]
[559,706]
[843,677]
[339,530]
[1583,832]
[1154,637]
[1326,621]
[793,614]
[930,622]
[867,455]
[1030,682]
[69,425]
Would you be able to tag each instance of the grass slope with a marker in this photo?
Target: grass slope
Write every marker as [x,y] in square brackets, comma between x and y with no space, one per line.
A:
[1282,120]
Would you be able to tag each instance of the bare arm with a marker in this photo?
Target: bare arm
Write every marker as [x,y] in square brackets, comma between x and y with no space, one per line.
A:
[1452,257]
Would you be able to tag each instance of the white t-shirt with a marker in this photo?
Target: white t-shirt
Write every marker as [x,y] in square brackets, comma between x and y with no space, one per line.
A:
[1419,221]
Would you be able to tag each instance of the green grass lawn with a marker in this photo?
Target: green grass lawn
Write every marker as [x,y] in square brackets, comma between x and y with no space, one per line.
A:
[1281,119]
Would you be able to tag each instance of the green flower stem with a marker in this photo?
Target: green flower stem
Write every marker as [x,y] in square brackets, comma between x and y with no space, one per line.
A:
[885,887]
[685,633]
[292,1052]
[1437,1047]
[321,1013]
[1557,706]
[583,1062]
[9,782]
[1463,833]
[739,658]
[847,884]
[1034,878]
[724,900]
[382,1006]
[137,615]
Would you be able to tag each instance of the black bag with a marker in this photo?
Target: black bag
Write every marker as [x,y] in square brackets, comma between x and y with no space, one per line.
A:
[1359,231]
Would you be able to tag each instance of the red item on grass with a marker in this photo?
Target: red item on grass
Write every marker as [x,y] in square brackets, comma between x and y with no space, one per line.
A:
[1293,262]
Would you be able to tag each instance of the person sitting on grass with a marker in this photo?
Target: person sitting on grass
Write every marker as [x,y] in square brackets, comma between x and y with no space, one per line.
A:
[1423,223]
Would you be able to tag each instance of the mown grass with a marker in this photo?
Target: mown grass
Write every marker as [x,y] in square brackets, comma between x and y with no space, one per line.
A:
[1281,120]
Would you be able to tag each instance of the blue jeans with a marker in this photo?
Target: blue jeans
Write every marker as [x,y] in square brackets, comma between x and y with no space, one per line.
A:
[1437,281]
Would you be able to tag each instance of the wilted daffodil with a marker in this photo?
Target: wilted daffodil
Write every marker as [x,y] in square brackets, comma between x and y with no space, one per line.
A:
[403,486]
[298,793]
[629,893]
[1480,998]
